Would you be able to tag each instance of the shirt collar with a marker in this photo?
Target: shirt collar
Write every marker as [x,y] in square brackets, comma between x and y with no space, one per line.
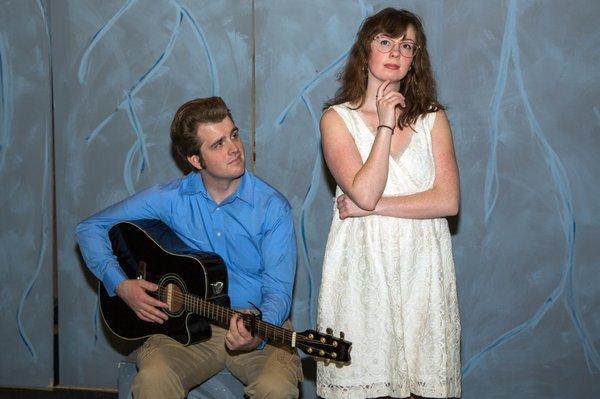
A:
[193,184]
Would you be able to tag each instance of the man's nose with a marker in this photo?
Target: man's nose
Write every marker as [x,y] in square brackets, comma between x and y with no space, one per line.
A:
[233,146]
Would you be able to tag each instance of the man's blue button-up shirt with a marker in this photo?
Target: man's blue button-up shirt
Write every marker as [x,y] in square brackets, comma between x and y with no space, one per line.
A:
[252,230]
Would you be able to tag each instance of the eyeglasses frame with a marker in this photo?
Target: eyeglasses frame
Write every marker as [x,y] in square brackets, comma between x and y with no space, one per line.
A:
[417,47]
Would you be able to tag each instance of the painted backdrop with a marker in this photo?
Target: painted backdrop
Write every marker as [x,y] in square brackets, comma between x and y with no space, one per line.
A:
[519,78]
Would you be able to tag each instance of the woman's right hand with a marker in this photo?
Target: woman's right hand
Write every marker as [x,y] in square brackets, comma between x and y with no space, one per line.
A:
[387,101]
[348,208]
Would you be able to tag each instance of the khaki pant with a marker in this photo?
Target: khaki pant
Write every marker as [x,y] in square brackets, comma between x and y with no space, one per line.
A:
[167,369]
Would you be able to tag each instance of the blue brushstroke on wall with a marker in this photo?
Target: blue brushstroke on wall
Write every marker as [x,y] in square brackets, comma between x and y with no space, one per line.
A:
[127,104]
[45,225]
[201,36]
[83,65]
[6,90]
[510,48]
[139,147]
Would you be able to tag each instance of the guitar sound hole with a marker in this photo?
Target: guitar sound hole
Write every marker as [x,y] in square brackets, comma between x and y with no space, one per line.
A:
[173,296]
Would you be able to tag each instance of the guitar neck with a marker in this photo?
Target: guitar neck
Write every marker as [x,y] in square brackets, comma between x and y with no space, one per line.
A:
[221,315]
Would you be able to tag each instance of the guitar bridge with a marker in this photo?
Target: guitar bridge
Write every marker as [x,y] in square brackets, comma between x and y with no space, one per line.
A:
[141,270]
[169,297]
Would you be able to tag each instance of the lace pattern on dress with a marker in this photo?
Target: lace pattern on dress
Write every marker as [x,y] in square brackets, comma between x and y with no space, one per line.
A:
[389,284]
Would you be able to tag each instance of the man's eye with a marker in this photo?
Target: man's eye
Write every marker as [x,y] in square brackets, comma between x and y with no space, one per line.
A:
[235,135]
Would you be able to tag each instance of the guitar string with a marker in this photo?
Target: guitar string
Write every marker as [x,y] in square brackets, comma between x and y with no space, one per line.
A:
[224,314]
[195,301]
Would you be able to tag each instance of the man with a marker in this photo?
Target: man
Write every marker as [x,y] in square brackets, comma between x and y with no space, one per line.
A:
[219,207]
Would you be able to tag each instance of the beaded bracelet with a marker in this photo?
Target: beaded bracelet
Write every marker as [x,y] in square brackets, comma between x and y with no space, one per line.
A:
[389,127]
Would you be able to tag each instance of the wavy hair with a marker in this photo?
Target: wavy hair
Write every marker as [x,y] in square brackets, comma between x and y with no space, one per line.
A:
[418,86]
[184,127]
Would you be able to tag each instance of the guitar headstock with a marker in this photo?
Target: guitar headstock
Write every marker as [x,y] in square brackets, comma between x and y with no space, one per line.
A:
[324,346]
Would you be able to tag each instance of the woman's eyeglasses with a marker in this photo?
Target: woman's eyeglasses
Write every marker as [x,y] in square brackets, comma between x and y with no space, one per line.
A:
[407,48]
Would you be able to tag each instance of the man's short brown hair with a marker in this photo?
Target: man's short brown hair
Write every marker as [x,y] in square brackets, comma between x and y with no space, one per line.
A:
[185,123]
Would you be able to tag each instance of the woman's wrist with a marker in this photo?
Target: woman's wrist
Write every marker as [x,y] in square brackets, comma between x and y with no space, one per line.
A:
[386,127]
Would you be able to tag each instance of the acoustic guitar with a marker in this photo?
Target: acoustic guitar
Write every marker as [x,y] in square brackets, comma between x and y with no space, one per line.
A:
[194,285]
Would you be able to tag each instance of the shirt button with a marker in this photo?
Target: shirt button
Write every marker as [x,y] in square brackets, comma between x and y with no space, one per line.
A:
[218,234]
[217,209]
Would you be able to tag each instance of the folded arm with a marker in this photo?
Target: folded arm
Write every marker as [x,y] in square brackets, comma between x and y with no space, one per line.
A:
[441,200]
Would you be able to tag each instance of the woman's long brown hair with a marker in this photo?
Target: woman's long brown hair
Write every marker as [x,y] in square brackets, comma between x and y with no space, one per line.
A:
[418,86]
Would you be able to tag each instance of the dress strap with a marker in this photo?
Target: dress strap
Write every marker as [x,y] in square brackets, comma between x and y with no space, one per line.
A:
[345,113]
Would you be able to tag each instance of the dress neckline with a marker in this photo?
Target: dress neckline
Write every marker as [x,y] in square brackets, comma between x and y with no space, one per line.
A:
[395,157]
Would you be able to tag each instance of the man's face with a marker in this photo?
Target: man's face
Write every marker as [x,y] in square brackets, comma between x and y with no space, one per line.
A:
[222,151]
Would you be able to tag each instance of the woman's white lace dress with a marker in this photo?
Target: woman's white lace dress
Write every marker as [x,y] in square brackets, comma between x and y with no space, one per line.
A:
[389,284]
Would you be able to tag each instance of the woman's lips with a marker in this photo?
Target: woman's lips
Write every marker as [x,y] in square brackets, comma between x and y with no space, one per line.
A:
[392,66]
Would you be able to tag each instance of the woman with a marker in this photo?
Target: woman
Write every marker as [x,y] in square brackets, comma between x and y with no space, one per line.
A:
[388,274]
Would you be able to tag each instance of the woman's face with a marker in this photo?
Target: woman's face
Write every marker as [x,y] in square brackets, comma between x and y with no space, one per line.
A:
[394,64]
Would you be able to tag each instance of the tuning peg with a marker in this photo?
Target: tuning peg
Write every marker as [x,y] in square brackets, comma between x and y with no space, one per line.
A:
[341,334]
[329,331]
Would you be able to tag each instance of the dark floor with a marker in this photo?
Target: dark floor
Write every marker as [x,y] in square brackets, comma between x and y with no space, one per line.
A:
[55,393]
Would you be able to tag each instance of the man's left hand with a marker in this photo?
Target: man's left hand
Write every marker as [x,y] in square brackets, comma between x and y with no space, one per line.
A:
[238,338]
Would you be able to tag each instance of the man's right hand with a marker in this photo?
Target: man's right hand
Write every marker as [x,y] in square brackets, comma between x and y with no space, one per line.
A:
[133,292]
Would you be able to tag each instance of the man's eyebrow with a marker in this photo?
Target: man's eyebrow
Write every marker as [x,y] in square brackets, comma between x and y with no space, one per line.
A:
[217,141]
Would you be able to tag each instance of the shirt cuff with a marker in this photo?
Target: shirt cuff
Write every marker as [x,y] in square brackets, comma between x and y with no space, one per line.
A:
[112,278]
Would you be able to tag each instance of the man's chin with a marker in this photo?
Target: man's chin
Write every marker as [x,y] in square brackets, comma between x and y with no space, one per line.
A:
[240,173]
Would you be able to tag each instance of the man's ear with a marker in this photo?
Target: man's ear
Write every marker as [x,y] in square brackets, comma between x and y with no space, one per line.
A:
[194,160]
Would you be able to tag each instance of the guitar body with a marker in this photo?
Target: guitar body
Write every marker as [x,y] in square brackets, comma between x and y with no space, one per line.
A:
[148,249]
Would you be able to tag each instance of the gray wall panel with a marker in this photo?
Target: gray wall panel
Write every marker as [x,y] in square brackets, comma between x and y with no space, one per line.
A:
[25,197]
[125,67]
[522,98]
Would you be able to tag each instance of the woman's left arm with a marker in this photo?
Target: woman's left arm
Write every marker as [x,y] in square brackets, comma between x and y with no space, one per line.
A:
[439,201]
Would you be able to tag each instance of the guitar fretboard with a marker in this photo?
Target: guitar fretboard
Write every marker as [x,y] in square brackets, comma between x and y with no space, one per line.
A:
[221,316]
